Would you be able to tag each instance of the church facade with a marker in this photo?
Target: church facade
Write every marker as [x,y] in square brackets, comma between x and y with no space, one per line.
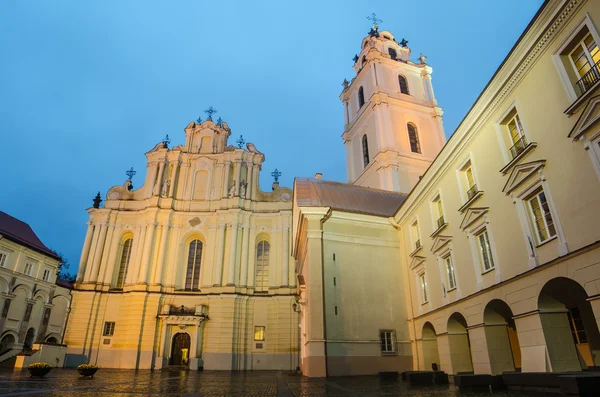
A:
[192,268]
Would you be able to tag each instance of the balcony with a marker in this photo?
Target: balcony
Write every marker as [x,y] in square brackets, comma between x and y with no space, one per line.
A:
[472,192]
[440,221]
[589,79]
[518,147]
[417,244]
[473,195]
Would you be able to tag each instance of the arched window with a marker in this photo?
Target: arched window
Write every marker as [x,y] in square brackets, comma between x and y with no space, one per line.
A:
[124,262]
[413,137]
[365,147]
[364,60]
[403,85]
[361,97]
[392,53]
[261,279]
[192,275]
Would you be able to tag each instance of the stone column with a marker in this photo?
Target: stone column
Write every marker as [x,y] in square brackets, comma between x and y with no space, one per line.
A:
[255,170]
[218,273]
[236,177]
[251,256]
[160,263]
[92,254]
[244,264]
[111,260]
[173,256]
[99,276]
[232,254]
[226,180]
[5,308]
[136,254]
[249,180]
[174,179]
[43,328]
[480,356]
[93,276]
[285,274]
[146,264]
[85,251]
[159,179]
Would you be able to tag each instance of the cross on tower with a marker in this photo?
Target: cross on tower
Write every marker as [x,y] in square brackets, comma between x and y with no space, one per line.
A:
[240,142]
[276,174]
[376,21]
[130,173]
[166,140]
[210,111]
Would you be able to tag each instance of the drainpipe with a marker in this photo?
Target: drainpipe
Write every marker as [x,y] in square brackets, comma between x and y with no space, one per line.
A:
[323,291]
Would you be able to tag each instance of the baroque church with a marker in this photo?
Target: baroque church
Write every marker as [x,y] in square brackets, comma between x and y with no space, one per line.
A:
[476,255]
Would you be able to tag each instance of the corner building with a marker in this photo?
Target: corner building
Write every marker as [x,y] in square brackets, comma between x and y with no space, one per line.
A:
[192,268]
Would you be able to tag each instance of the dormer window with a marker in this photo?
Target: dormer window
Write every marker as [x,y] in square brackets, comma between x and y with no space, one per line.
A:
[392,53]
[361,97]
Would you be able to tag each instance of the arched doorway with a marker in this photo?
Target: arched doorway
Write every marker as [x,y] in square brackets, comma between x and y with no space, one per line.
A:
[180,349]
[29,337]
[460,347]
[6,343]
[569,326]
[501,337]
[51,339]
[430,348]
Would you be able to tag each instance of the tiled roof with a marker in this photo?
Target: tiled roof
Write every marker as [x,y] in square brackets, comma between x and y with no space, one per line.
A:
[21,233]
[313,192]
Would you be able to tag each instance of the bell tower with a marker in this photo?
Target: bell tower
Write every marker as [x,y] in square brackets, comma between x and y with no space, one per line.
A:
[393,124]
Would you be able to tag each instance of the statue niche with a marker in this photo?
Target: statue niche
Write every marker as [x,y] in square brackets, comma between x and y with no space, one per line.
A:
[200,185]
[206,145]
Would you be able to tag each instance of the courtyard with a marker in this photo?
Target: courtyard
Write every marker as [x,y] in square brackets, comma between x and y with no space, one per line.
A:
[121,383]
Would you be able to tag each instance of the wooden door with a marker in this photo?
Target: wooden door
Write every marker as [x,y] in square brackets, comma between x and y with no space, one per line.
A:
[181,341]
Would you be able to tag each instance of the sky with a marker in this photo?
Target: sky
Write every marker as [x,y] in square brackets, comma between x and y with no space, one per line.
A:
[87,87]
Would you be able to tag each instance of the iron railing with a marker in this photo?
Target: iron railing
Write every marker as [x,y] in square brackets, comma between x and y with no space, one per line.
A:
[472,192]
[518,147]
[590,78]
[417,244]
[440,221]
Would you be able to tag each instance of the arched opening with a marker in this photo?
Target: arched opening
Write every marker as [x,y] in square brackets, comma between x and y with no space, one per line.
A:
[430,348]
[361,97]
[392,53]
[501,337]
[413,137]
[459,344]
[29,338]
[51,339]
[261,267]
[124,263]
[403,84]
[569,325]
[365,149]
[192,275]
[6,343]
[180,349]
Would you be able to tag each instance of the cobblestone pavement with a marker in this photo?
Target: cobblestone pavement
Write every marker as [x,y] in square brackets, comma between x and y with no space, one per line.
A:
[122,383]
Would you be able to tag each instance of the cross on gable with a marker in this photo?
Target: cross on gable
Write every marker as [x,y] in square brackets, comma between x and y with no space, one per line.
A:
[210,111]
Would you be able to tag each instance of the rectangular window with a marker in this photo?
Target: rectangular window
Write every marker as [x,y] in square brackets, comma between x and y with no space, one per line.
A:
[541,217]
[387,339]
[439,211]
[259,333]
[579,60]
[28,269]
[414,231]
[516,135]
[46,275]
[423,283]
[109,328]
[485,251]
[450,272]
[3,258]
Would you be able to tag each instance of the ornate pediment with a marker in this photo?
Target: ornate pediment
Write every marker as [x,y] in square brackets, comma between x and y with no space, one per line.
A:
[520,173]
[589,117]
[439,242]
[472,215]
[416,261]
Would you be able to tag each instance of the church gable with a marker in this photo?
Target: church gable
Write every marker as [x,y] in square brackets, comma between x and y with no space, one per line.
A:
[589,117]
[520,173]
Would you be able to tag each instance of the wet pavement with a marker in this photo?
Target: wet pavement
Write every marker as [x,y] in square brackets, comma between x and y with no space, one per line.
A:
[121,383]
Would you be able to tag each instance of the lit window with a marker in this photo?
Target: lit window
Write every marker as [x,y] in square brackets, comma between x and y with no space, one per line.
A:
[414,231]
[450,272]
[439,211]
[262,267]
[516,136]
[109,328]
[387,340]
[541,217]
[585,58]
[259,333]
[365,148]
[3,258]
[28,269]
[403,85]
[46,275]
[423,282]
[413,137]
[124,262]
[468,178]
[192,275]
[485,251]
[361,97]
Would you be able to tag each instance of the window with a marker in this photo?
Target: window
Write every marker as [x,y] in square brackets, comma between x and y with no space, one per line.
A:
[423,282]
[468,178]
[413,137]
[541,217]
[192,275]
[392,53]
[439,211]
[124,263]
[403,85]
[516,135]
[28,269]
[576,324]
[259,333]
[485,251]
[361,97]
[585,59]
[46,275]
[414,232]
[262,267]
[387,339]
[109,328]
[363,61]
[449,265]
[3,258]
[365,148]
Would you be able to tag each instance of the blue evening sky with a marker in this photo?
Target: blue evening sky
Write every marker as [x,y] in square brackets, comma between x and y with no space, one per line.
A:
[87,87]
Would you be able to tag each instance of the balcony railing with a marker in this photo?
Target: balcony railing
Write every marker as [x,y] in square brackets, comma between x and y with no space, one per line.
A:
[440,221]
[417,244]
[472,192]
[590,78]
[518,147]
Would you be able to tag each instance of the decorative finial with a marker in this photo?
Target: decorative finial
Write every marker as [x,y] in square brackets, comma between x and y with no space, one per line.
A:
[166,140]
[220,122]
[210,111]
[276,174]
[422,59]
[97,201]
[240,142]
[199,121]
[404,43]
[376,21]
[130,173]
[345,83]
[355,59]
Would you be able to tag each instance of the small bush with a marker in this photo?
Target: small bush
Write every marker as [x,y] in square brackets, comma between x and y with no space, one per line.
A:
[87,366]
[39,365]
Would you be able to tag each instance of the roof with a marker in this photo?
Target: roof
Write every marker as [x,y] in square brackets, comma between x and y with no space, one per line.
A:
[313,192]
[21,233]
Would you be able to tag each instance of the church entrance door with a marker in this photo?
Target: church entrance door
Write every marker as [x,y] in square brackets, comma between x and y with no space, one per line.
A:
[180,349]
